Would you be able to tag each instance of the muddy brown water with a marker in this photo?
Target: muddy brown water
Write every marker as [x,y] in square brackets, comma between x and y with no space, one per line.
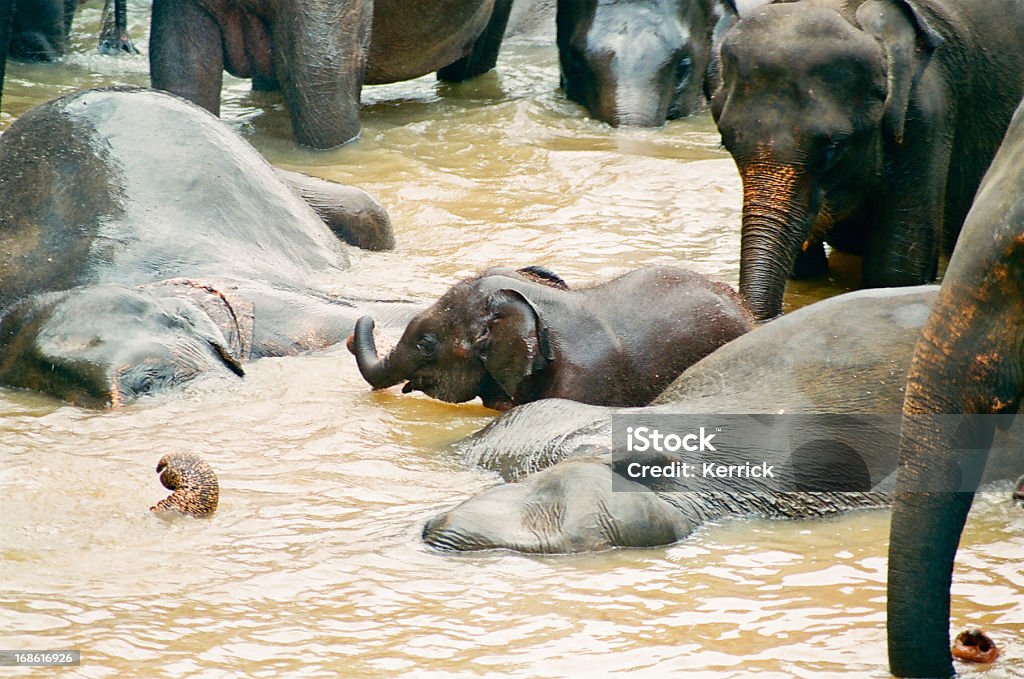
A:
[313,564]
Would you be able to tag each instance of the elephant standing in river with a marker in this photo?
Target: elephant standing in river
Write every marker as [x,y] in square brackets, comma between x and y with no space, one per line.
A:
[145,244]
[512,337]
[970,360]
[319,52]
[867,125]
[642,62]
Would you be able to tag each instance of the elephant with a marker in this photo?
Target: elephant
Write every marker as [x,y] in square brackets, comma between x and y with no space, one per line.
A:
[1018,491]
[146,244]
[969,361]
[847,354]
[512,337]
[866,125]
[319,52]
[640,63]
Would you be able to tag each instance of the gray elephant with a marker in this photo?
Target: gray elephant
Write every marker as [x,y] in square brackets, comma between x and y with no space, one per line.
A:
[848,354]
[146,244]
[866,125]
[642,62]
[970,360]
[319,52]
[512,337]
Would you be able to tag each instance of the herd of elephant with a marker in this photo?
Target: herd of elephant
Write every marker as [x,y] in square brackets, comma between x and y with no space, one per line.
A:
[885,128]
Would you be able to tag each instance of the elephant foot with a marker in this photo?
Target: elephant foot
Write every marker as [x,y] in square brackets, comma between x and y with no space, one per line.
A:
[195,487]
[973,645]
[1018,491]
[113,45]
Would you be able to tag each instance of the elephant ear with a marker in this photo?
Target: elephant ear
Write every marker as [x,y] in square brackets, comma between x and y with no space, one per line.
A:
[908,41]
[517,342]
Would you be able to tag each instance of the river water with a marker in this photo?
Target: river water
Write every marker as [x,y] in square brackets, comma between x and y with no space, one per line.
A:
[313,562]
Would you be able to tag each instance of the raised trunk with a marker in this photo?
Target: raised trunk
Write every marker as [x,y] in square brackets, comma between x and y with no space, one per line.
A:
[320,53]
[379,373]
[776,222]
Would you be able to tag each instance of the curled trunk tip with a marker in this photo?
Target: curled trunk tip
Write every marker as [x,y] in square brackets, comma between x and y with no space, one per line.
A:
[379,373]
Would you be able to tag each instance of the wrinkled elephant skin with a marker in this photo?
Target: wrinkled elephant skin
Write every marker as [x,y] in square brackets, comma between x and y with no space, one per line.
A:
[512,337]
[319,52]
[147,244]
[968,360]
[866,125]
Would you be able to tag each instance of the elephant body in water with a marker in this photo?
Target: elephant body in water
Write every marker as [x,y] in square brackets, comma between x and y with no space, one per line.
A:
[145,244]
[848,354]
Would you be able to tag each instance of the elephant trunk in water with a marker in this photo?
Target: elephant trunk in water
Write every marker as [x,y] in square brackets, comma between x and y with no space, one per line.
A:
[776,223]
[967,360]
[927,519]
[379,373]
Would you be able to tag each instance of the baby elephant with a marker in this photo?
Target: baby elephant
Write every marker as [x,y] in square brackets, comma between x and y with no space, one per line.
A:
[511,337]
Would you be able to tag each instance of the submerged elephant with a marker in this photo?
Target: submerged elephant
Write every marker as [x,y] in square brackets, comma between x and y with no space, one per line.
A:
[867,125]
[848,354]
[970,360]
[640,63]
[144,243]
[512,337]
[319,52]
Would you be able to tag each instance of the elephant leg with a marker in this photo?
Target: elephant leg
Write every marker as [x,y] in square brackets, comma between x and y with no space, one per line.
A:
[484,54]
[320,53]
[351,213]
[114,35]
[185,52]
[906,252]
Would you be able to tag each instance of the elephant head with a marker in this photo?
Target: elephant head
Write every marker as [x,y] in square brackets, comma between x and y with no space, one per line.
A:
[970,360]
[106,345]
[485,337]
[810,100]
[638,63]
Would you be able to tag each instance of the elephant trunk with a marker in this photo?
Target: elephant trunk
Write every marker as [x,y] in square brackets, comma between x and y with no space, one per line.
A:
[942,460]
[776,222]
[379,373]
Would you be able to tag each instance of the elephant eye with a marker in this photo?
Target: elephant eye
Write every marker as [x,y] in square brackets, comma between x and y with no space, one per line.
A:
[427,345]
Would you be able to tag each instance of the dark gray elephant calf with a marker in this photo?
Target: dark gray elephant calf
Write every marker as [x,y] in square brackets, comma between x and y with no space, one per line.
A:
[512,337]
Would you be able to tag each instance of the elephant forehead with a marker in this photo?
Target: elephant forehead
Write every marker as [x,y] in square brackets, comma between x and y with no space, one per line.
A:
[789,35]
[627,28]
